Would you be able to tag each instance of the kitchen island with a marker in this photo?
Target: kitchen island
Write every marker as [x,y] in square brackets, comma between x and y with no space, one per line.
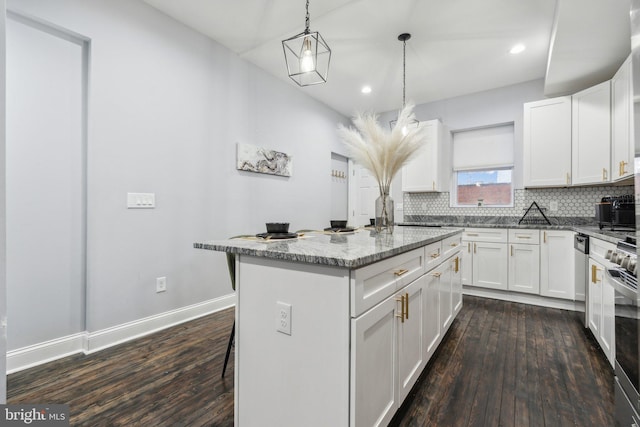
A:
[334,329]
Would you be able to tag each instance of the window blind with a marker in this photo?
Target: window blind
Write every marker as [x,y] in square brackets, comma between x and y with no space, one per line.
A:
[483,148]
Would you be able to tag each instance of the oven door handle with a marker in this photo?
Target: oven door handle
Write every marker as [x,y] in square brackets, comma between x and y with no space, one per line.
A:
[619,286]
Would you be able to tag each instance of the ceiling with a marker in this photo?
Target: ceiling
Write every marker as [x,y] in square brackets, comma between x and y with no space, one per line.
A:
[457,46]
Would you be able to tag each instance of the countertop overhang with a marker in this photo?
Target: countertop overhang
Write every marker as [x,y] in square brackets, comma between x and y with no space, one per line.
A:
[348,250]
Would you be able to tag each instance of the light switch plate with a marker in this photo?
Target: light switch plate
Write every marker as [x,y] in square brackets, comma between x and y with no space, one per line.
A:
[141,200]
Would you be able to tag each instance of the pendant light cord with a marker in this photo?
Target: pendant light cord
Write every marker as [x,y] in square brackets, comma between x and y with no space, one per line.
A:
[404,71]
[306,21]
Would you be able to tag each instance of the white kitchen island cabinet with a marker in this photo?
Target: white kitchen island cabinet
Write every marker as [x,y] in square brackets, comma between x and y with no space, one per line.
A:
[334,330]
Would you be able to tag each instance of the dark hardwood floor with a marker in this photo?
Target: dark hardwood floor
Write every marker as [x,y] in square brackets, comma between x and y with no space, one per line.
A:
[501,364]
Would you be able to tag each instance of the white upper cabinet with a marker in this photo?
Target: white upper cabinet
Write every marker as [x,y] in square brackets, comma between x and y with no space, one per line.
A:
[622,150]
[430,170]
[591,135]
[547,142]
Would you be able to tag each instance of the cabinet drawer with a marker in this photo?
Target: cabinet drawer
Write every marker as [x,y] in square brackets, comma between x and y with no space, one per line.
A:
[498,235]
[524,236]
[373,283]
[432,255]
[451,245]
[598,249]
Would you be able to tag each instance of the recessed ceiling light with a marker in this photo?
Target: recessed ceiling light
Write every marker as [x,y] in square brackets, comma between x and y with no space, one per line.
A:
[517,48]
[366,89]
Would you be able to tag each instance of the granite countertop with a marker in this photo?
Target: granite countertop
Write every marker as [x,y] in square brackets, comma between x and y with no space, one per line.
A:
[349,250]
[578,224]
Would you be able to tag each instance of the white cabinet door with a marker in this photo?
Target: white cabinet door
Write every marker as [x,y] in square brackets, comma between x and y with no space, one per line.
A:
[524,268]
[607,331]
[547,142]
[456,283]
[411,357]
[622,149]
[432,332]
[466,263]
[428,170]
[557,264]
[596,275]
[591,135]
[373,385]
[446,301]
[490,265]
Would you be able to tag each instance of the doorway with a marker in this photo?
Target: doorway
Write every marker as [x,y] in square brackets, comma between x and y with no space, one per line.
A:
[47,75]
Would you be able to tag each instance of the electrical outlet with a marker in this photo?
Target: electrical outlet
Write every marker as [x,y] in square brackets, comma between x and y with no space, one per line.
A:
[553,205]
[161,284]
[283,317]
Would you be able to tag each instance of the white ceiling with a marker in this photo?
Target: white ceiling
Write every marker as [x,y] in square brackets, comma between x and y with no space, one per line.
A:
[457,46]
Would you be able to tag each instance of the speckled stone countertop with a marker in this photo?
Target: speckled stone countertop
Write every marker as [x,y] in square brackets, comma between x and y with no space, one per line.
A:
[582,225]
[351,250]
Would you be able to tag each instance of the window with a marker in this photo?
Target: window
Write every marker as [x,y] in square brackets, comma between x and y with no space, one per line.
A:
[483,166]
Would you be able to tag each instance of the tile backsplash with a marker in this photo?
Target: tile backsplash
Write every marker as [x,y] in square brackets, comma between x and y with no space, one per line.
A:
[572,202]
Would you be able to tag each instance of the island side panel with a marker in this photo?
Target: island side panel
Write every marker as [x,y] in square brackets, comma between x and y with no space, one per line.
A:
[300,379]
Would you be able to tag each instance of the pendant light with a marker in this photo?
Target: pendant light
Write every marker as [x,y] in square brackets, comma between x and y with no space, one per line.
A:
[307,56]
[403,38]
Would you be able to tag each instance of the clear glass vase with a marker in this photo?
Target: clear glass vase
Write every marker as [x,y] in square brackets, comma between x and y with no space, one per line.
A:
[384,214]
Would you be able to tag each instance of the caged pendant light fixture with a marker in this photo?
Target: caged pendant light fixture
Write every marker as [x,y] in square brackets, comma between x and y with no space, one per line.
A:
[403,38]
[307,56]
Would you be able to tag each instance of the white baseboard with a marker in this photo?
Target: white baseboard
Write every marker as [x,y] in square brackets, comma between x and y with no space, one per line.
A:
[524,298]
[37,354]
[91,342]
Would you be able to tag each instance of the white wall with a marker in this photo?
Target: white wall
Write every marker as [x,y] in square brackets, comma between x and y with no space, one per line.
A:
[166,108]
[502,105]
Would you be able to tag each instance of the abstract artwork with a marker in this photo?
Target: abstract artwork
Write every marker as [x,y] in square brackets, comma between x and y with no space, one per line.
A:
[262,160]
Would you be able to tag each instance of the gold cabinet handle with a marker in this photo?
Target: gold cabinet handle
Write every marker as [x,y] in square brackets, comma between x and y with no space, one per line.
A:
[544,237]
[511,250]
[454,244]
[604,174]
[433,185]
[406,305]
[400,272]
[568,178]
[622,166]
[475,248]
[522,237]
[435,254]
[436,274]
[401,315]
[469,247]
[456,264]
[594,274]
[472,234]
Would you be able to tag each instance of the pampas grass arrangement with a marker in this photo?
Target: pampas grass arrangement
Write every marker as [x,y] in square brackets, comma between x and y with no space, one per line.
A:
[380,151]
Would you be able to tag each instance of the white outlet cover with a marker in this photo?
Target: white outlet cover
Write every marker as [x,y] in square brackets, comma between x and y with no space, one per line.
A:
[283,317]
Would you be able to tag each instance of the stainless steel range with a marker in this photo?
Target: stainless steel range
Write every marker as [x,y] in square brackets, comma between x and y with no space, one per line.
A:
[623,278]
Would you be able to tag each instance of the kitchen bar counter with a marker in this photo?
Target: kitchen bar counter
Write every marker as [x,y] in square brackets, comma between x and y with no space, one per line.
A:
[350,250]
[323,331]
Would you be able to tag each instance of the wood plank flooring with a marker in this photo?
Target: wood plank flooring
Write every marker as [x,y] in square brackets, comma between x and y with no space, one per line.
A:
[501,364]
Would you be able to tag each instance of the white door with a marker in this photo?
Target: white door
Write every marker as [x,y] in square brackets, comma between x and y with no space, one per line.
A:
[339,186]
[490,265]
[411,358]
[373,389]
[45,198]
[365,191]
[524,268]
[3,288]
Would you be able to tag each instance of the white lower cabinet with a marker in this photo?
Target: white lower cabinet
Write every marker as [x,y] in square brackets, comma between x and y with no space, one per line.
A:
[392,342]
[602,309]
[557,265]
[490,265]
[524,268]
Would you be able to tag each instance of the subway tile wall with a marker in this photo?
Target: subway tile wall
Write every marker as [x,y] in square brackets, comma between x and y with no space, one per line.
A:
[572,202]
